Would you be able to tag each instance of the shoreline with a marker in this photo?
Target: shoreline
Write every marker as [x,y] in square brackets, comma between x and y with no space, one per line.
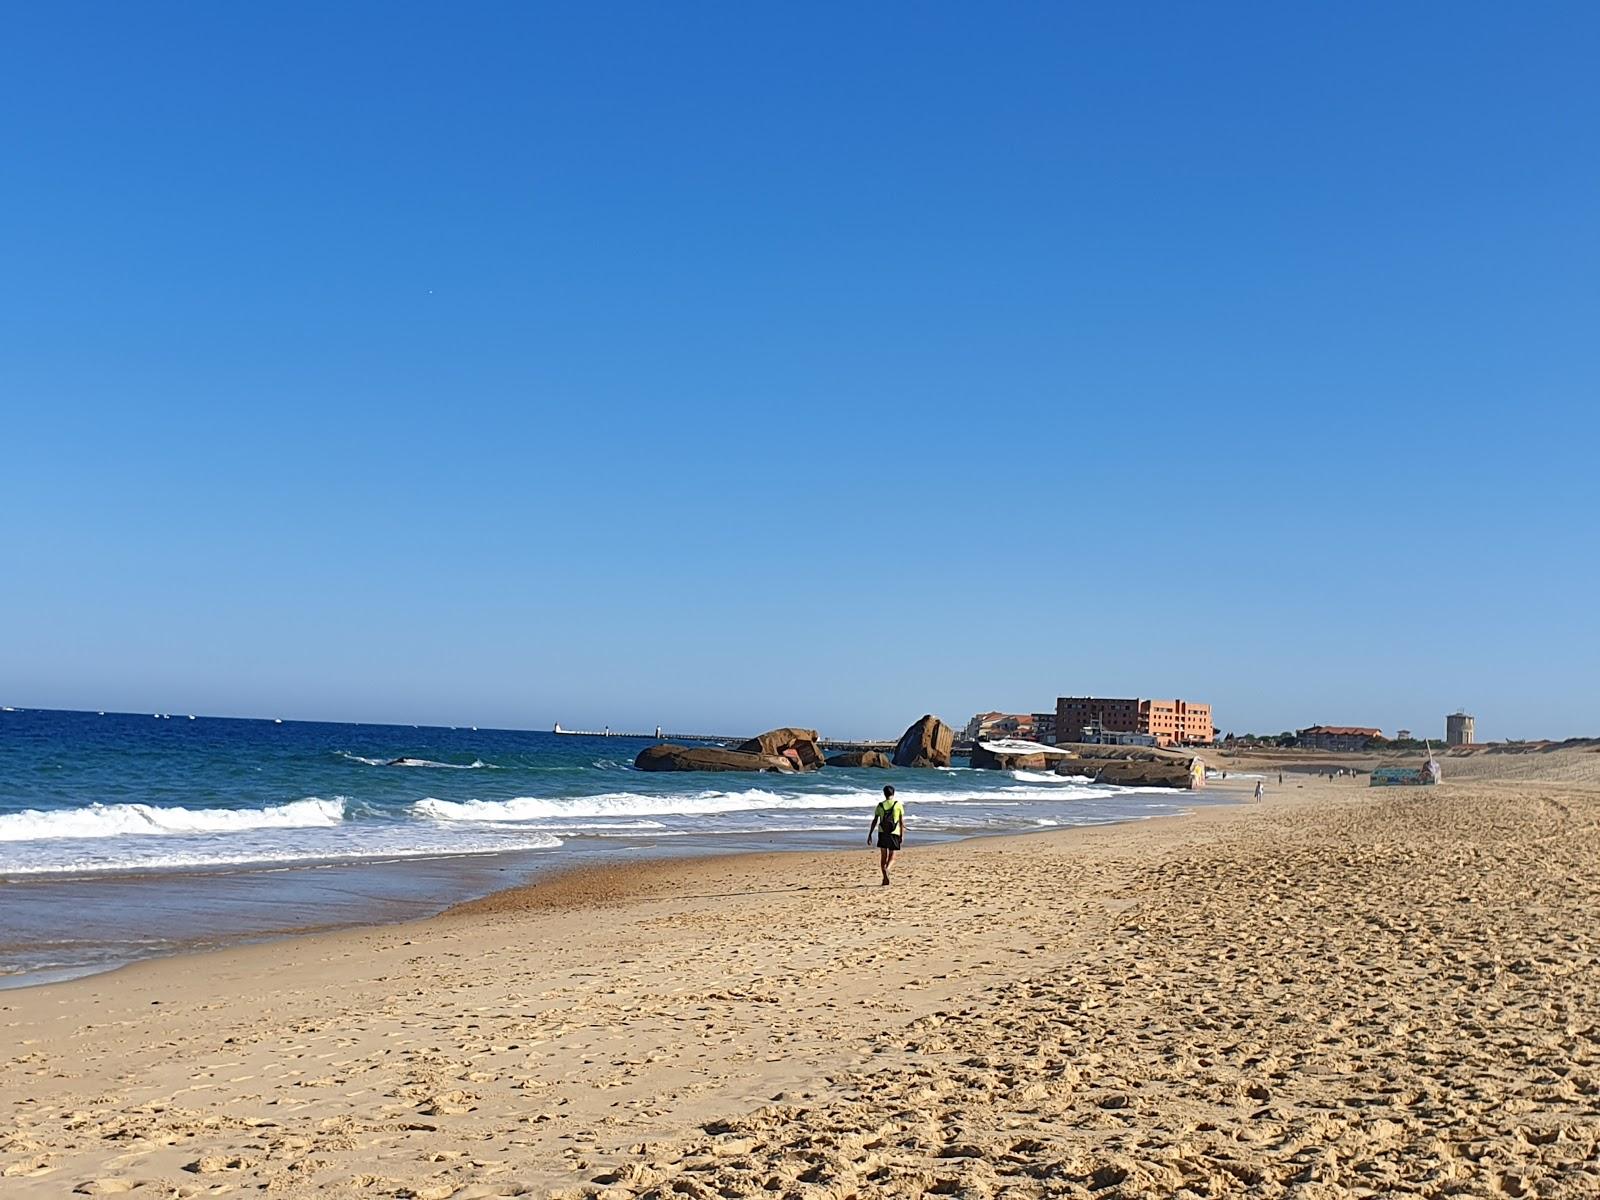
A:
[400,882]
[535,871]
[585,887]
[1288,996]
[600,884]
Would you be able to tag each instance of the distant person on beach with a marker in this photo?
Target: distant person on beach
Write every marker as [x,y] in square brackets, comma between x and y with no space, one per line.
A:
[1261,789]
[889,820]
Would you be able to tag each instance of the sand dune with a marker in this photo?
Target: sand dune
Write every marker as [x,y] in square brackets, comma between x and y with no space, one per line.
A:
[1339,992]
[1572,762]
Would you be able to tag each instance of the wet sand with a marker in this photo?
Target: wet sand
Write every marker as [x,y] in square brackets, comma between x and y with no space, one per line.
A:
[57,927]
[63,928]
[1338,992]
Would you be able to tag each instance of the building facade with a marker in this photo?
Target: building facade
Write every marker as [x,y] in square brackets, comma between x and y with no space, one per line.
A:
[975,728]
[1044,728]
[1074,714]
[1093,735]
[1458,729]
[1337,737]
[1170,722]
[1177,722]
[998,725]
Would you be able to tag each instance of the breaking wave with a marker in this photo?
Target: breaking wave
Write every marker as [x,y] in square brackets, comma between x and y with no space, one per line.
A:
[261,857]
[632,804]
[475,764]
[705,803]
[124,820]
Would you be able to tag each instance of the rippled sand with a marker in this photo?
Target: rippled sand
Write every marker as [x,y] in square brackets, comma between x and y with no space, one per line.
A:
[1338,992]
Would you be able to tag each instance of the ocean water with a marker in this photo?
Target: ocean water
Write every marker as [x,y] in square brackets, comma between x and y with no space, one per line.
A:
[126,835]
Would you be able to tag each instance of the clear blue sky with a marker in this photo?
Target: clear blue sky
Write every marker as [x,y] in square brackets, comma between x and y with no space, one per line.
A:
[728,365]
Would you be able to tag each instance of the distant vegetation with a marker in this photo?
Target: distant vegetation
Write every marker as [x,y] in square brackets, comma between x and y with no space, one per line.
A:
[1288,741]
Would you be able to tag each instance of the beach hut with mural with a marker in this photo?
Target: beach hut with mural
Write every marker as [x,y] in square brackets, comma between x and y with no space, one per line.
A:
[1421,776]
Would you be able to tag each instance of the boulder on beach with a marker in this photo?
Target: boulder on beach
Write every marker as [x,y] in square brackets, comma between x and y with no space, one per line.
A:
[926,743]
[860,758]
[667,757]
[803,743]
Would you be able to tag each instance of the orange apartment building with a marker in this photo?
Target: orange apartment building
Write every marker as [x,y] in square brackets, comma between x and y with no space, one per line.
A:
[1170,722]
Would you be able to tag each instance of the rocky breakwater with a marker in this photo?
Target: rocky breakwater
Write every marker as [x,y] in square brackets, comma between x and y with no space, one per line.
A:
[667,757]
[990,757]
[927,743]
[786,750]
[860,758]
[1134,766]
[799,746]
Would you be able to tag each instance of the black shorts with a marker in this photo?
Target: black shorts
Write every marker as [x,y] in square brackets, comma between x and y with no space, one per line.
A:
[888,841]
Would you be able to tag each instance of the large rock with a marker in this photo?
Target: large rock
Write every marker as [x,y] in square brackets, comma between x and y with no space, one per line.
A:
[1173,772]
[860,758]
[1091,752]
[926,744]
[1002,760]
[799,745]
[667,757]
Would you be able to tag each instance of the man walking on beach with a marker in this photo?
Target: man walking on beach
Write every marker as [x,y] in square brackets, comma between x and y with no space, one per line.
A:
[889,819]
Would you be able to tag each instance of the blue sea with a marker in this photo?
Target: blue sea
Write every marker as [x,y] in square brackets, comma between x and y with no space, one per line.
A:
[128,835]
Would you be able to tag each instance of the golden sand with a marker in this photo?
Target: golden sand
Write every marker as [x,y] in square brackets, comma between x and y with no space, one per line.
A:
[1337,992]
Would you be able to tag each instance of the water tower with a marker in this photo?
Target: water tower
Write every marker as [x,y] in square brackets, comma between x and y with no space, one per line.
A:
[1458,729]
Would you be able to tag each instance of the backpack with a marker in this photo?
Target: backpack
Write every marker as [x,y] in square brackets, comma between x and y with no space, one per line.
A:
[889,817]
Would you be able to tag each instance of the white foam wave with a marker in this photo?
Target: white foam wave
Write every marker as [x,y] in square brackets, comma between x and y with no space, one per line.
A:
[1074,789]
[625,804]
[1041,777]
[269,858]
[705,803]
[474,765]
[125,820]
[594,826]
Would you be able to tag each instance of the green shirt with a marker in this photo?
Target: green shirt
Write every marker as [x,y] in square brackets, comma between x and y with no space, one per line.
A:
[888,815]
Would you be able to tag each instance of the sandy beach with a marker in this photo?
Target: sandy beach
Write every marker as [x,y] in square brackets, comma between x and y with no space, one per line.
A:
[1335,992]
